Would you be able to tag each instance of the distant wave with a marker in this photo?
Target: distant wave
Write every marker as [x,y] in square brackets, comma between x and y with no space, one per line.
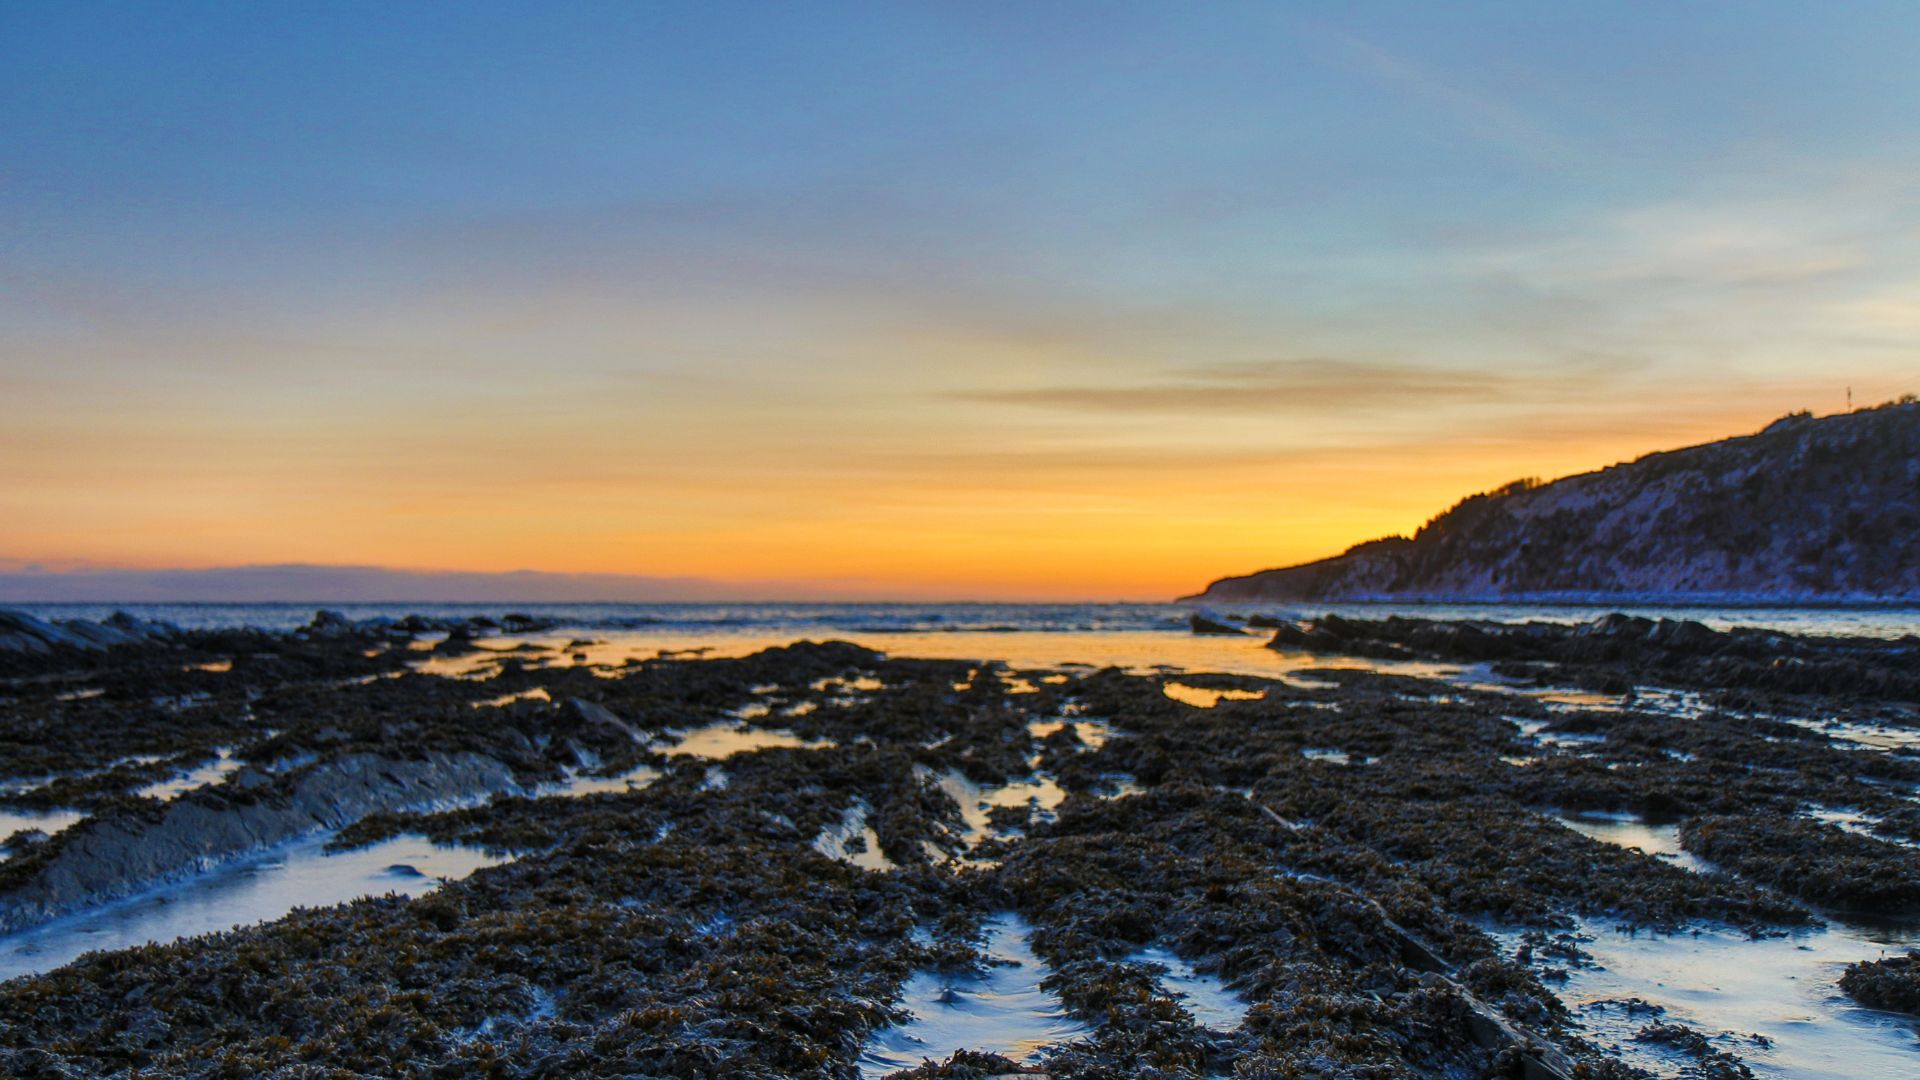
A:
[726,620]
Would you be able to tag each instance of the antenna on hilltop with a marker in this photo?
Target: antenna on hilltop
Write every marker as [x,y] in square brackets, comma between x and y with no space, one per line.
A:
[1849,399]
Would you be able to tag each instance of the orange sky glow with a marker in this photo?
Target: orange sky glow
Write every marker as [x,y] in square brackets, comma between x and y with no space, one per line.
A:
[920,302]
[998,509]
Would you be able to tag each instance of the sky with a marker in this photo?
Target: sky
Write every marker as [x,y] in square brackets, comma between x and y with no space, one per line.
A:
[917,301]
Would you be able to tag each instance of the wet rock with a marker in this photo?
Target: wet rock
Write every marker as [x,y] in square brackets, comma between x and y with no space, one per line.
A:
[591,713]
[1202,623]
[23,633]
[327,623]
[1892,982]
[690,928]
[972,1065]
[1811,860]
[115,854]
[23,841]
[1619,649]
[517,622]
[1712,1063]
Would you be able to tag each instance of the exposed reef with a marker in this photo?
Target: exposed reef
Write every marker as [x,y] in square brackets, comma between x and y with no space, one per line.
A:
[1892,982]
[124,848]
[738,866]
[1616,651]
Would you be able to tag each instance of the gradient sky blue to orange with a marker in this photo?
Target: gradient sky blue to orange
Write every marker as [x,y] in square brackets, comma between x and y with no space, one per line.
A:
[930,300]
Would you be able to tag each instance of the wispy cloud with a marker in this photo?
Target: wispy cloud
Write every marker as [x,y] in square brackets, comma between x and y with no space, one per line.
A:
[301,582]
[1721,239]
[1300,385]
[1485,118]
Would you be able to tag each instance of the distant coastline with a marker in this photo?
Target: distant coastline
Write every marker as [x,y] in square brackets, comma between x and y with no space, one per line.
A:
[1606,600]
[1806,512]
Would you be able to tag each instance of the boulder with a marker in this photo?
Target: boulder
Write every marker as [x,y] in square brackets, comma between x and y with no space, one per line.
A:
[1205,624]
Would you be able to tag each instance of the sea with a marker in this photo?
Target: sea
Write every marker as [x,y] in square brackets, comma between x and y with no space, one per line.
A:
[1134,636]
[760,620]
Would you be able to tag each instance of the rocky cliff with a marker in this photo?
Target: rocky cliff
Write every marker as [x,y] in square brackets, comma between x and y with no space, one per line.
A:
[1809,509]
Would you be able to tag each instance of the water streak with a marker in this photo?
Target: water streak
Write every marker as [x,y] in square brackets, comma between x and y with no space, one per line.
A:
[300,874]
[1003,1011]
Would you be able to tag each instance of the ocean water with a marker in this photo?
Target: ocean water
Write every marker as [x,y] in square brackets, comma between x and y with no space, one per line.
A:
[720,622]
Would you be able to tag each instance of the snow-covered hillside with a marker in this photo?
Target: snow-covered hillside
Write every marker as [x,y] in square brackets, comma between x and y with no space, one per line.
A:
[1807,510]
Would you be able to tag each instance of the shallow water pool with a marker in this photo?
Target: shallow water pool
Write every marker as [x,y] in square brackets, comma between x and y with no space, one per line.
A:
[1731,988]
[1003,1011]
[721,741]
[300,874]
[1661,840]
[47,821]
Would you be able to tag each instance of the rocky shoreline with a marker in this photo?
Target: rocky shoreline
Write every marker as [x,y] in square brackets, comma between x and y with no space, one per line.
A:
[816,823]
[1808,510]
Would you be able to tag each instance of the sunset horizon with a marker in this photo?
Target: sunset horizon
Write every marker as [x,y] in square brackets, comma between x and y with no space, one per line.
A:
[1105,307]
[1063,540]
[85,581]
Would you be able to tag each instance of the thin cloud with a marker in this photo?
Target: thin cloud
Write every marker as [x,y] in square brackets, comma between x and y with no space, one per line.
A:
[307,583]
[1288,385]
[1486,119]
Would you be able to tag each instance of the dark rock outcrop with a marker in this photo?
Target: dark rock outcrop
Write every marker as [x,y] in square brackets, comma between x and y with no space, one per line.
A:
[1624,649]
[1202,623]
[21,632]
[111,856]
[1892,982]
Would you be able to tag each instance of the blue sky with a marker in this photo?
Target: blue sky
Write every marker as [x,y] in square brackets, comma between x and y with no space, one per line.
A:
[740,290]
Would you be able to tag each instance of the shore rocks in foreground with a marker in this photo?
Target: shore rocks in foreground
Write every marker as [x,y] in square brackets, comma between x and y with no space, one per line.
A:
[113,855]
[1819,863]
[1892,982]
[1331,849]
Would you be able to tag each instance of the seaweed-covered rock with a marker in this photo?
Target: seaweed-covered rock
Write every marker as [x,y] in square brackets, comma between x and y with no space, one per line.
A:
[1814,861]
[1328,848]
[1891,982]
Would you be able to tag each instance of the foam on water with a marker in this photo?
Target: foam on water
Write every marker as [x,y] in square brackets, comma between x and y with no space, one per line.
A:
[813,619]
